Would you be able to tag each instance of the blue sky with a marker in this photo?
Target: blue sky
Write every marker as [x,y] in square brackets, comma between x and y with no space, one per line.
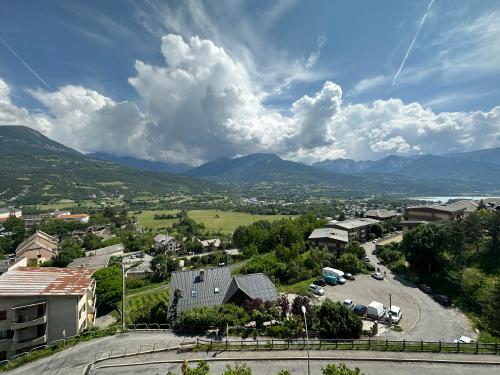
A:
[266,90]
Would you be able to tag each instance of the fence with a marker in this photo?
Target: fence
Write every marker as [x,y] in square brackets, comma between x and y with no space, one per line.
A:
[359,344]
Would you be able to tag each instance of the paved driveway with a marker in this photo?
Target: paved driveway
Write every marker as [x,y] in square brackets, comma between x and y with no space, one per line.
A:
[423,318]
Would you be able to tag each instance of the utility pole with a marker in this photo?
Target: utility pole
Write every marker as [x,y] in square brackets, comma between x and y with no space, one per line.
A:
[123,298]
[307,338]
[389,313]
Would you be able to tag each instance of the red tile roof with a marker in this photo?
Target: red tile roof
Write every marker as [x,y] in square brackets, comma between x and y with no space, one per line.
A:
[45,281]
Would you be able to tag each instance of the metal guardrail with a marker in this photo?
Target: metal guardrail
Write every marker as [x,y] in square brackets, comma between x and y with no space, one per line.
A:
[354,344]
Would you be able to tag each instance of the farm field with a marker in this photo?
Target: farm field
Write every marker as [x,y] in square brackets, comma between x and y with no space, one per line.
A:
[214,220]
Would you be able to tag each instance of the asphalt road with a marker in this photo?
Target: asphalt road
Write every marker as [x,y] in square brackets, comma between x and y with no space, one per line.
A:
[300,367]
[267,363]
[423,318]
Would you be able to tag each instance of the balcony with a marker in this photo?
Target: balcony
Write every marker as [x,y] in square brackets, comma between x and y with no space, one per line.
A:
[29,343]
[24,322]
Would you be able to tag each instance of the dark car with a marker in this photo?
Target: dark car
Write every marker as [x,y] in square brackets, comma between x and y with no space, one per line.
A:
[360,310]
[349,276]
[320,282]
[442,299]
[425,288]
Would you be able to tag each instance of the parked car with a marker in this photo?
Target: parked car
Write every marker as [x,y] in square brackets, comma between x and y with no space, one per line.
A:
[316,289]
[464,340]
[394,314]
[320,282]
[349,276]
[378,276]
[360,310]
[340,280]
[349,304]
[442,299]
[367,259]
[425,288]
[330,280]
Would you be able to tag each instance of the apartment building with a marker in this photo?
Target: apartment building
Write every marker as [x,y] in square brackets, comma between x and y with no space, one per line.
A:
[40,305]
[358,229]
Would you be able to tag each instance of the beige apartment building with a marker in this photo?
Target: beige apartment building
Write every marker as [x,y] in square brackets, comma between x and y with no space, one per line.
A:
[358,229]
[39,247]
[40,305]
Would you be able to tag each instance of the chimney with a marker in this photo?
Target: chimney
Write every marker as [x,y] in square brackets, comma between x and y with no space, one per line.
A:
[202,274]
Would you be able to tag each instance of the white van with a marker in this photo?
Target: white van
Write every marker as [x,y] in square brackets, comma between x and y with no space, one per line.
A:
[375,310]
[328,271]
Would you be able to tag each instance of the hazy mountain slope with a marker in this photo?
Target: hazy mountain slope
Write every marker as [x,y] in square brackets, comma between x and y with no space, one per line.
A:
[490,155]
[147,165]
[348,166]
[258,168]
[34,168]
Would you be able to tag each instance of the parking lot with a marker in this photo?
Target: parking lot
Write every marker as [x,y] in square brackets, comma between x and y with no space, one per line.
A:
[423,318]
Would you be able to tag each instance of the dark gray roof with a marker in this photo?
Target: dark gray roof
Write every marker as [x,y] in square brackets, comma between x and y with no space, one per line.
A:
[197,293]
[204,291]
[256,285]
[437,207]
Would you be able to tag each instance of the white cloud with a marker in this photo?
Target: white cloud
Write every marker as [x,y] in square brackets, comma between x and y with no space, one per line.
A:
[202,103]
[369,84]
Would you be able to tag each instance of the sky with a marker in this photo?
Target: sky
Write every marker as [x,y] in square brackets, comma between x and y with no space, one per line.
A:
[192,81]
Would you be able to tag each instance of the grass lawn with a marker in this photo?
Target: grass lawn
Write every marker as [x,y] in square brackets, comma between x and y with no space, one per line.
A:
[214,220]
[138,306]
[298,288]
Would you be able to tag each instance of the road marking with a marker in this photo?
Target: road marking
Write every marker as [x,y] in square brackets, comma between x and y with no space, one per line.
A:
[369,291]
[418,317]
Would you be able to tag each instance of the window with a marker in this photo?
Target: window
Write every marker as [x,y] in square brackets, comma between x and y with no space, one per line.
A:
[3,314]
[216,290]
[194,293]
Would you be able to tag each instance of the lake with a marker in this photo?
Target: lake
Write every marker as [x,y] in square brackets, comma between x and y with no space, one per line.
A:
[446,199]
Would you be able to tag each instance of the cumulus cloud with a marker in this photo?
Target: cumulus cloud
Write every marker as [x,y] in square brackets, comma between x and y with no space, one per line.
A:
[201,103]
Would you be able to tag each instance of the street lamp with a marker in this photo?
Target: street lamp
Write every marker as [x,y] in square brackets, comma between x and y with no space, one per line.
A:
[307,338]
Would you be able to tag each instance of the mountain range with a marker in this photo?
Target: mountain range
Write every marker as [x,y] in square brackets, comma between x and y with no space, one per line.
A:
[34,168]
[480,165]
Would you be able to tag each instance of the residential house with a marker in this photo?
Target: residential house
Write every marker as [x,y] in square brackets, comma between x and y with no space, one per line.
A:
[82,218]
[113,250]
[211,244]
[141,266]
[332,238]
[358,229]
[166,243]
[39,247]
[5,213]
[216,286]
[40,305]
[95,262]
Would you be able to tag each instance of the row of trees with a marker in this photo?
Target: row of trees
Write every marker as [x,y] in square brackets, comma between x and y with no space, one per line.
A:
[242,369]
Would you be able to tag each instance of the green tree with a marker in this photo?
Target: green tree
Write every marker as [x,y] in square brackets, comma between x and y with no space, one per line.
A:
[16,226]
[355,248]
[108,288]
[201,369]
[334,320]
[238,369]
[340,369]
[162,266]
[348,262]
[70,250]
[91,241]
[423,247]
